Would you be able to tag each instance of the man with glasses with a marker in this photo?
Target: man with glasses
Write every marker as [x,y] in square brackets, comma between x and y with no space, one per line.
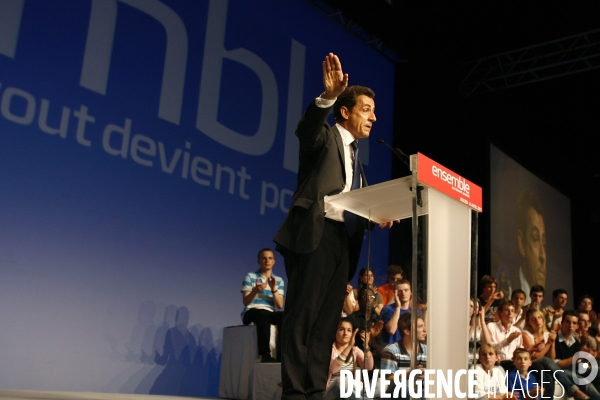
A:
[394,274]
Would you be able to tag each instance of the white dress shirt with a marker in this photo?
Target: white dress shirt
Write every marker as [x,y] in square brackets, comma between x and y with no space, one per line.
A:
[335,213]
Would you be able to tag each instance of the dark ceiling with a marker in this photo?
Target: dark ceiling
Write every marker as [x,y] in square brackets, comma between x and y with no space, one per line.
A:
[552,128]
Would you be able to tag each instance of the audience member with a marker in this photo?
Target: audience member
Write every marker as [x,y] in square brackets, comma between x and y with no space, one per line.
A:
[262,294]
[537,296]
[586,303]
[582,334]
[536,338]
[489,297]
[553,312]
[567,346]
[396,356]
[490,376]
[366,279]
[366,313]
[345,356]
[521,384]
[540,344]
[394,274]
[390,314]
[518,299]
[502,334]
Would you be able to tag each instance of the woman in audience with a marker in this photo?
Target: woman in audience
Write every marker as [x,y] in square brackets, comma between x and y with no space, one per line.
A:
[536,337]
[365,280]
[540,343]
[346,356]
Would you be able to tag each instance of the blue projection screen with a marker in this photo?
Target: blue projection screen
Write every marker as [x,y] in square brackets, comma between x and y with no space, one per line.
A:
[147,152]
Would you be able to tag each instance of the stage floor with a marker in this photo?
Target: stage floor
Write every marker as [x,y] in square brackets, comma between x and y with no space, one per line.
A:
[41,395]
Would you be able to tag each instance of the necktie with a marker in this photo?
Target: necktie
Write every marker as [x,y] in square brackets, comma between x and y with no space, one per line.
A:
[350,218]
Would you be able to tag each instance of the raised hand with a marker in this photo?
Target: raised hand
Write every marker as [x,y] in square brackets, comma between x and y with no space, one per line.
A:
[272,283]
[334,80]
[376,328]
[498,295]
[396,298]
[261,284]
[513,336]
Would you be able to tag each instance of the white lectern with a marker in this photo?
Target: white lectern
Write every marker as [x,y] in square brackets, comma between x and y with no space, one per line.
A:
[448,200]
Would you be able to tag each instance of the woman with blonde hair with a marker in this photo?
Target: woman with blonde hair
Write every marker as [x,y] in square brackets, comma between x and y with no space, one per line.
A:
[536,338]
[540,343]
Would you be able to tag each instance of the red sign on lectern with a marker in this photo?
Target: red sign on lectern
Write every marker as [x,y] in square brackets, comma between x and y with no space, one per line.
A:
[450,183]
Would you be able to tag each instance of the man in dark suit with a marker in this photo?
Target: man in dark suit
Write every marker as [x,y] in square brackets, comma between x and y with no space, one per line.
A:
[320,251]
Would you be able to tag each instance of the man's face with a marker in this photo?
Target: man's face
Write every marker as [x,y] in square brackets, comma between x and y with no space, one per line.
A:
[506,314]
[489,290]
[421,330]
[537,298]
[569,325]
[404,293]
[584,322]
[266,260]
[518,300]
[367,299]
[392,279]
[522,361]
[560,301]
[359,120]
[532,246]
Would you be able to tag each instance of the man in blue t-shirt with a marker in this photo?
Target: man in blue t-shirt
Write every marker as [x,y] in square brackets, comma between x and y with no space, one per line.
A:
[390,314]
[262,294]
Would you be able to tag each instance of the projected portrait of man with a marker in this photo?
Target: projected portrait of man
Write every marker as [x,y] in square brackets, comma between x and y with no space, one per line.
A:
[531,239]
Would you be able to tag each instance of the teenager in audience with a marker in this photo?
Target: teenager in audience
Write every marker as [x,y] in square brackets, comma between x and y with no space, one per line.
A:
[518,299]
[537,296]
[521,383]
[366,279]
[345,356]
[390,315]
[536,338]
[586,304]
[582,334]
[489,298]
[394,274]
[490,376]
[502,334]
[396,356]
[262,295]
[553,312]
[566,348]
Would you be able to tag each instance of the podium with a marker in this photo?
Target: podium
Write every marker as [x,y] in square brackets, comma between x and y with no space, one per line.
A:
[450,205]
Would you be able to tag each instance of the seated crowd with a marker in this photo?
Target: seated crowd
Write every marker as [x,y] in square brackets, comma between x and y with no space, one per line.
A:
[505,336]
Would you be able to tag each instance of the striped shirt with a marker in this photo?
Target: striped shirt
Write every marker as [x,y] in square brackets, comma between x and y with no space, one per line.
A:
[394,357]
[263,300]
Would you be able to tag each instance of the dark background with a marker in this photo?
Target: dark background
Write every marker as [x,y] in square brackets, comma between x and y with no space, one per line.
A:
[549,127]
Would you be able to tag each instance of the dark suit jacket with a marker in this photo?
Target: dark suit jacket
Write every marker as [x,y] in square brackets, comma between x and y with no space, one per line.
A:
[321,173]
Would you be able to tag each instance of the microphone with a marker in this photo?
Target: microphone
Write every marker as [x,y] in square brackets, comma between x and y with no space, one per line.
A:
[403,157]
